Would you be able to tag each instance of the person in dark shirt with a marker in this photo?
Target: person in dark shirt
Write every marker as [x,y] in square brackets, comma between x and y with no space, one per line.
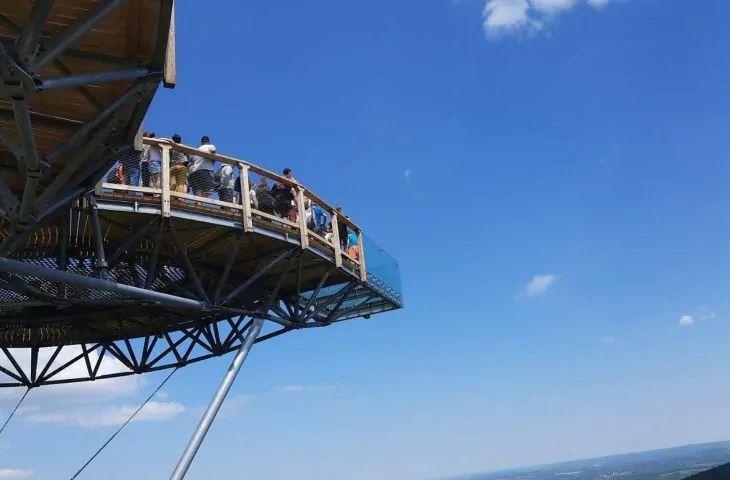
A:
[284,198]
[341,228]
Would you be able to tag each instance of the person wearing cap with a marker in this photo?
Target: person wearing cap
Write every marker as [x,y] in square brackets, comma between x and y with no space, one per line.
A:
[200,176]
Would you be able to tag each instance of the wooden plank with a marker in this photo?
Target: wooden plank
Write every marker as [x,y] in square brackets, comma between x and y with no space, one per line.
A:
[336,242]
[301,213]
[254,168]
[245,199]
[165,181]
[274,218]
[130,188]
[170,73]
[211,201]
[363,270]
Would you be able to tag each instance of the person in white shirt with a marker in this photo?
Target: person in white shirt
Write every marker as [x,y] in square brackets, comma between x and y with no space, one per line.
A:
[225,188]
[200,176]
[153,158]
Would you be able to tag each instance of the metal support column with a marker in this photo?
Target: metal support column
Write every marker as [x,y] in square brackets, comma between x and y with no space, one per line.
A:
[215,404]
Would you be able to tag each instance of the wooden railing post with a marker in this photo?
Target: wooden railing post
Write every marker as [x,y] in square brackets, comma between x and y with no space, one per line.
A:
[336,240]
[363,270]
[165,184]
[245,199]
[302,217]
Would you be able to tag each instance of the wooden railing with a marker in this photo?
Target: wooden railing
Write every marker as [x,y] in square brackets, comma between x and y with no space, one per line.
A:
[242,206]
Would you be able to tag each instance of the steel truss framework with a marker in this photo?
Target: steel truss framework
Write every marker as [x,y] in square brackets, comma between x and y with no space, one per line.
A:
[66,315]
[91,147]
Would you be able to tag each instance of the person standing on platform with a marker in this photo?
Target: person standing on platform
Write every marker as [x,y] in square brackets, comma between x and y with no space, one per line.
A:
[154,166]
[353,247]
[226,181]
[178,168]
[201,170]
[264,198]
[130,164]
[341,227]
[284,198]
[144,164]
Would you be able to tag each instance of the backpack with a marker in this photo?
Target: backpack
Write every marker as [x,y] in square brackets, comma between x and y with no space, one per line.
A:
[264,198]
[217,179]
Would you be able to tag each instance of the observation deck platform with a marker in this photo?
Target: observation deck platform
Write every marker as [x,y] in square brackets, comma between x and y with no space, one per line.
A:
[102,274]
[130,270]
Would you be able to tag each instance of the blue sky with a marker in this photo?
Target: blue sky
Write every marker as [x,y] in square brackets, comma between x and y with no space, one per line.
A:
[552,176]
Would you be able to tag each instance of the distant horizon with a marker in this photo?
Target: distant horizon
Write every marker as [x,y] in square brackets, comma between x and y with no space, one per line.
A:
[584,459]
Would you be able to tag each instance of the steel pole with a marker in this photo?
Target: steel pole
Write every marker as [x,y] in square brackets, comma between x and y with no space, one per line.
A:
[215,404]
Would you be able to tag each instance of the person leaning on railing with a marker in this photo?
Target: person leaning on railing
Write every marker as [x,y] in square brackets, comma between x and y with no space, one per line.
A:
[153,158]
[353,249]
[178,168]
[284,198]
[263,197]
[200,175]
[223,177]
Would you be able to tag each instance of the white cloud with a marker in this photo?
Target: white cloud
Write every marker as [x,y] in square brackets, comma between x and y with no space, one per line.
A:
[609,340]
[686,321]
[538,285]
[109,416]
[597,3]
[298,388]
[112,387]
[553,6]
[15,473]
[503,17]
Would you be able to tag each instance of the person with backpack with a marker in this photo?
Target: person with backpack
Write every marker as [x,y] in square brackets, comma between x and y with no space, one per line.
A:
[284,203]
[263,198]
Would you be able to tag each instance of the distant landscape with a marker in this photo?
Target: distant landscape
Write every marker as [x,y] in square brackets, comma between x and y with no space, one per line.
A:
[667,464]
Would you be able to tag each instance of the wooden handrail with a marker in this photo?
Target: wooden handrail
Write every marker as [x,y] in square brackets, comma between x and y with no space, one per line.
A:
[256,169]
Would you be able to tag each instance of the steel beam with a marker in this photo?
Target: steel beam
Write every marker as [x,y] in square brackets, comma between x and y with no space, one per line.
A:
[24,268]
[81,89]
[256,276]
[31,33]
[216,403]
[107,113]
[227,268]
[189,268]
[100,256]
[73,33]
[134,237]
[30,158]
[83,79]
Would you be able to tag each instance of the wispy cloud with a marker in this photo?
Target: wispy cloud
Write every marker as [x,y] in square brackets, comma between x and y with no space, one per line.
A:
[609,340]
[16,473]
[520,17]
[97,390]
[94,417]
[538,285]
[686,321]
[298,388]
[407,175]
[706,313]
